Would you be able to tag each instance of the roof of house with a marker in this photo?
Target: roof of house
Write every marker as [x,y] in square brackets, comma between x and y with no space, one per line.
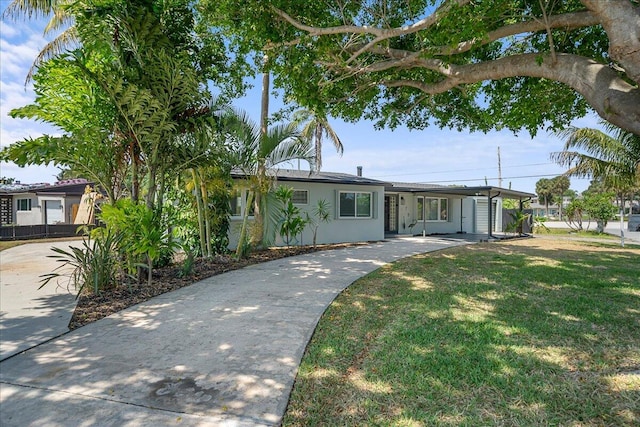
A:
[409,187]
[321,177]
[67,187]
[488,191]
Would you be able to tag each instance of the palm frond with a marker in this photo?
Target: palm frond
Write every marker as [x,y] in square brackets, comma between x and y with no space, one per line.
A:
[613,157]
[64,42]
[29,9]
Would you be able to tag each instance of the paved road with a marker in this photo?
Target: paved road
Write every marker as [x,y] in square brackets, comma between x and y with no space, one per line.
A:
[613,227]
[222,352]
[28,315]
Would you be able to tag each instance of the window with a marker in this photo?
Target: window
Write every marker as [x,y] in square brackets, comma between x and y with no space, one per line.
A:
[300,197]
[432,209]
[24,204]
[355,205]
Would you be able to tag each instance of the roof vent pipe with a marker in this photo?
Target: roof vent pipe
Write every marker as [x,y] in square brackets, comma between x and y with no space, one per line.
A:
[359,170]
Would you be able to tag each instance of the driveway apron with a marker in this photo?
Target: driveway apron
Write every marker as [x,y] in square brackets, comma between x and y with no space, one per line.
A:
[221,352]
[30,316]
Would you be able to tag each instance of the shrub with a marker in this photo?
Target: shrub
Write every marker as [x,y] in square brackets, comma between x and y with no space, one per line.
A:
[291,222]
[600,209]
[94,266]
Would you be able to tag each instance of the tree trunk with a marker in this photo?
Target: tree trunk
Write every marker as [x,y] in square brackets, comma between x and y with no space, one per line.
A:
[207,219]
[196,190]
[135,178]
[258,225]
[621,20]
[150,272]
[243,231]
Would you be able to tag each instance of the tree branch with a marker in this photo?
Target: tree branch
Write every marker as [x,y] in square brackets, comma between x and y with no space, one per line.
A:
[621,20]
[382,33]
[567,21]
[613,99]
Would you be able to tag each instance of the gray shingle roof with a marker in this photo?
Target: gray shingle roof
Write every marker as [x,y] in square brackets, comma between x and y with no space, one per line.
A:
[322,177]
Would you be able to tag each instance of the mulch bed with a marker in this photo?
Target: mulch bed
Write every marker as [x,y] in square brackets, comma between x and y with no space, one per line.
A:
[92,307]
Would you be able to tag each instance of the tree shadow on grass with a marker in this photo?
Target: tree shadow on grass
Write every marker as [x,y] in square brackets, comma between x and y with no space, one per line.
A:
[502,335]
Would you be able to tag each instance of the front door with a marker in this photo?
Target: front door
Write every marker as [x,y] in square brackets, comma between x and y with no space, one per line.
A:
[391,213]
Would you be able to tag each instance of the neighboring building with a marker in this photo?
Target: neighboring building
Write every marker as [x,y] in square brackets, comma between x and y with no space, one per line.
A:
[365,209]
[38,204]
[554,211]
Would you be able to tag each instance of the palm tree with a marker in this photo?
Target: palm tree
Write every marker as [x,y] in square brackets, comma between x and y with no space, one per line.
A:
[613,157]
[61,20]
[316,127]
[256,155]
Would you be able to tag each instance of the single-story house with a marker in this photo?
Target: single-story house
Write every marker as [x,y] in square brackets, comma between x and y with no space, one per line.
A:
[38,204]
[364,209]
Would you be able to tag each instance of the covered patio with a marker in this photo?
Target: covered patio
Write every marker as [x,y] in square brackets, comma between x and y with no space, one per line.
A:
[466,208]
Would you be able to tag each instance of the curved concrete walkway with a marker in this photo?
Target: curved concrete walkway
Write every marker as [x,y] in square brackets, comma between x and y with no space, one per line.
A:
[222,352]
[28,315]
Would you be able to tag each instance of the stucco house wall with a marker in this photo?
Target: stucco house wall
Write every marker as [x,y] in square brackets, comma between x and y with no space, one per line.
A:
[340,229]
[33,216]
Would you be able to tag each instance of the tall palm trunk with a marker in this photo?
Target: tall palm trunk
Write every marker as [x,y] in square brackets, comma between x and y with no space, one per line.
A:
[200,210]
[258,225]
[243,230]
[207,219]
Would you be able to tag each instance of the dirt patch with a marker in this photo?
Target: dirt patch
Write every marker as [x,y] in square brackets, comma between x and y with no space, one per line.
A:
[92,307]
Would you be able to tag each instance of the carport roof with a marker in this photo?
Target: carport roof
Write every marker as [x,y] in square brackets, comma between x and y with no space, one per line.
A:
[488,191]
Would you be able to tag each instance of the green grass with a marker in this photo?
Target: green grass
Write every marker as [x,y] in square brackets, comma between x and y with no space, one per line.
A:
[6,244]
[574,233]
[535,332]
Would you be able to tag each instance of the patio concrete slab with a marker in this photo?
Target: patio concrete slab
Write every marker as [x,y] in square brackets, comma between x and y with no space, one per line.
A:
[224,351]
[30,316]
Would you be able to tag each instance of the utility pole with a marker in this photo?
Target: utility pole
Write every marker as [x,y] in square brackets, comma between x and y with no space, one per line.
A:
[499,169]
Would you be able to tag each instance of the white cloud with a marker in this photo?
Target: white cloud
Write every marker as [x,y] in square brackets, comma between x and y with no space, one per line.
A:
[29,175]
[18,53]
[14,95]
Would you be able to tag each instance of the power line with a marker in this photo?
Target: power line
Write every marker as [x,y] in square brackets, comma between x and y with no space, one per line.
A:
[484,178]
[457,170]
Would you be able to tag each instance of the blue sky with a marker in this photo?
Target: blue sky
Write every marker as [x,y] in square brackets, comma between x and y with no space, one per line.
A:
[432,155]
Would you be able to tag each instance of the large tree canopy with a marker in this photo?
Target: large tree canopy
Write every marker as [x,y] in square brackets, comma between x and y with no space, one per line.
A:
[516,64]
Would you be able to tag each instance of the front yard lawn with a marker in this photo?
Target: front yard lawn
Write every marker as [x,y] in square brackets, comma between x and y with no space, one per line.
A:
[533,332]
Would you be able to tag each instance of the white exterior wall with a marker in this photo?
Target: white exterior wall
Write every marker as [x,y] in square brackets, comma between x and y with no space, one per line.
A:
[338,230]
[32,217]
[36,216]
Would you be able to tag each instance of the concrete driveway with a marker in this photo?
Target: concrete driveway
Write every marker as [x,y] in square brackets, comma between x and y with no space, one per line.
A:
[30,316]
[222,352]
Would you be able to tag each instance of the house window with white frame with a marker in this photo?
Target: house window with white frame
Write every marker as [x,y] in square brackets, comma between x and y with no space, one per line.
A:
[432,209]
[300,197]
[23,204]
[353,204]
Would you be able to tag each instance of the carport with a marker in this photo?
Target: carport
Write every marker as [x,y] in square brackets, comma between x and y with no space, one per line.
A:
[490,193]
